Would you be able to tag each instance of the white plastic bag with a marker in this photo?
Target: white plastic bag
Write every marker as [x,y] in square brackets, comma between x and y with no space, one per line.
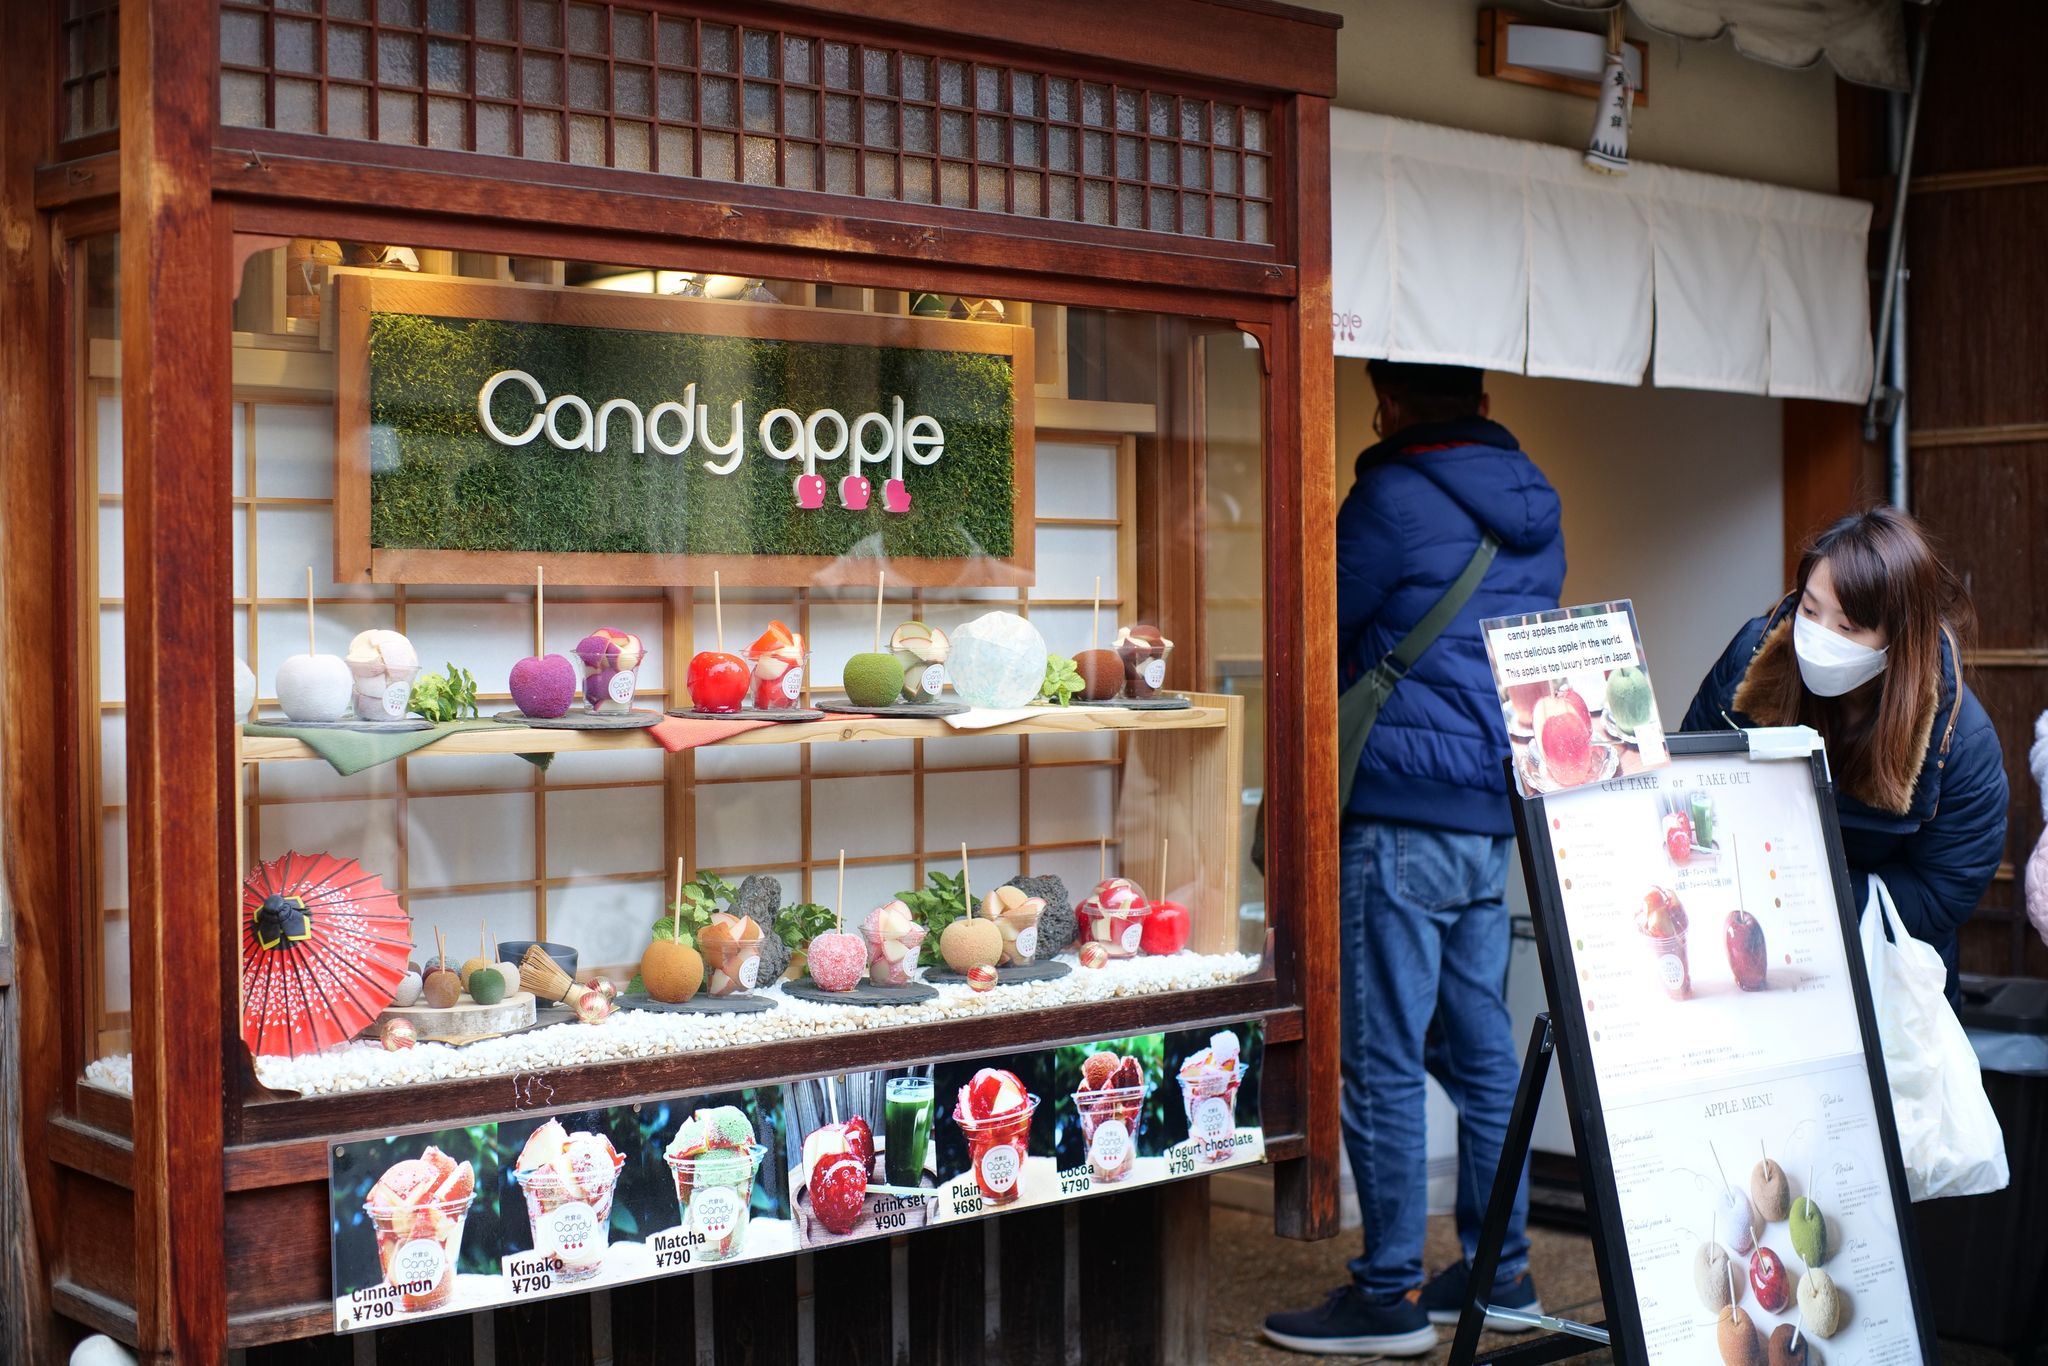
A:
[1948,1134]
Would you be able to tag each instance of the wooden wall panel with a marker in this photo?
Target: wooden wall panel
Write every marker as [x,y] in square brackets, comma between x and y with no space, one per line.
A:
[1977,320]
[1986,106]
[1989,506]
[1977,339]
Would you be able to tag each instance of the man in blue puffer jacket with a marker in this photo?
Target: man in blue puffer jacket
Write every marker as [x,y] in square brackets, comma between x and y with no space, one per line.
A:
[1426,838]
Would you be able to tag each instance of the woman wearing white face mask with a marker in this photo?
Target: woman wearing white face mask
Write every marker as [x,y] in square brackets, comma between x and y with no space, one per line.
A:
[1866,651]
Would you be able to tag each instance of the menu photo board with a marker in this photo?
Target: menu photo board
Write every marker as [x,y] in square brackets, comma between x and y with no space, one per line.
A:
[1720,1054]
[455,1220]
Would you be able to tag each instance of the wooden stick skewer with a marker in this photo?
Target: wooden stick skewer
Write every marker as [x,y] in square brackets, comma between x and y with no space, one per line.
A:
[964,890]
[540,592]
[676,905]
[1095,621]
[1102,866]
[309,609]
[839,906]
[1165,891]
[718,609]
[880,575]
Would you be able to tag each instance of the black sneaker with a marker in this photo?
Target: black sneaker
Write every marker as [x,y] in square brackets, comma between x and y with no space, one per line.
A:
[1350,1324]
[1443,1299]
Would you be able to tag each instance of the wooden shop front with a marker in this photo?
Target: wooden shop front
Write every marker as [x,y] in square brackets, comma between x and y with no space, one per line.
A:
[332,317]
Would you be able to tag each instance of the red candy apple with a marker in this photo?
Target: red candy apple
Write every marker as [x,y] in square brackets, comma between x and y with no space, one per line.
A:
[718,681]
[1747,957]
[1767,1278]
[860,1139]
[839,1191]
[1678,837]
[1166,928]
[1564,733]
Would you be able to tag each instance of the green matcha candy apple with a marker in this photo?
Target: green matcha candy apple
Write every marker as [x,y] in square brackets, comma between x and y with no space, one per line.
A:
[873,679]
[1629,703]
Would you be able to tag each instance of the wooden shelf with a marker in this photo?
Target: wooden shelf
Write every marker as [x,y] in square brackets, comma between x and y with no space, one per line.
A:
[1208,713]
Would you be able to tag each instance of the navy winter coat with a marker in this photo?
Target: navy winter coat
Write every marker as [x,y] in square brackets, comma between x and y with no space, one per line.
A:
[1405,532]
[1937,856]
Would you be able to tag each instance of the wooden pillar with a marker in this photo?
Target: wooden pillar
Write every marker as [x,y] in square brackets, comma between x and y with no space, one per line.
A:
[35,773]
[175,305]
[1301,677]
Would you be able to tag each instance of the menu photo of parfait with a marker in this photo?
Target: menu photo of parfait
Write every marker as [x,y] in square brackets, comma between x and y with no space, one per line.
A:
[414,1226]
[1575,696]
[1212,1121]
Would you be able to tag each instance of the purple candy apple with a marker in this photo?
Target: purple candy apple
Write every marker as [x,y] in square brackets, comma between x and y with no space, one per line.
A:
[544,685]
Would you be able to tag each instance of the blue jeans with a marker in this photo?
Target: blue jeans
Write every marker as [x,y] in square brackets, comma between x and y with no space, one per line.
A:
[1425,935]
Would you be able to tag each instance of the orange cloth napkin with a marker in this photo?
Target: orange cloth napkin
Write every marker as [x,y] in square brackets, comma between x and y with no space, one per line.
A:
[675,733]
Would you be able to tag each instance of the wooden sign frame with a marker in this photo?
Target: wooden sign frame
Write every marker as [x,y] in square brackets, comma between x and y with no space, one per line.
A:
[355,297]
[1568,1009]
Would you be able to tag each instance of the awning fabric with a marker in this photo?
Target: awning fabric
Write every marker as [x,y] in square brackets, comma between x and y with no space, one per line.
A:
[1464,249]
[1863,40]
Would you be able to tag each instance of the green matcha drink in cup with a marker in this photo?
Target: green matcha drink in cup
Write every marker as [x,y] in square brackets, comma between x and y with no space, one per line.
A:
[907,1126]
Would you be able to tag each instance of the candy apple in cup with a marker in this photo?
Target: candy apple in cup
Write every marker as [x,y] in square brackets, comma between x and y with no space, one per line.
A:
[611,665]
[1678,838]
[777,663]
[1167,927]
[718,681]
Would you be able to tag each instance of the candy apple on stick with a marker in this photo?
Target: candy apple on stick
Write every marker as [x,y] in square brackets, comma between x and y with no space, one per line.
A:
[314,687]
[1102,671]
[718,681]
[543,685]
[838,959]
[1168,925]
[875,678]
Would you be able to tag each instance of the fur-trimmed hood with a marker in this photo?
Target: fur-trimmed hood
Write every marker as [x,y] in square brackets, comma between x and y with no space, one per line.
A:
[1893,782]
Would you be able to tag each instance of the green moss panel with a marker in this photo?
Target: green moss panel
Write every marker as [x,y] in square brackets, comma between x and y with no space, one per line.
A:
[439,482]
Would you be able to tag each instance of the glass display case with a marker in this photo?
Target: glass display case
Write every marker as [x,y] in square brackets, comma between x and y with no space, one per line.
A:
[645,564]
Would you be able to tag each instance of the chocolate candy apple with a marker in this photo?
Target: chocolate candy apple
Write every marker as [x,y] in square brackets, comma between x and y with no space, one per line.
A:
[1784,1351]
[1102,674]
[718,681]
[1166,928]
[1767,1279]
[1747,957]
[1678,837]
[611,663]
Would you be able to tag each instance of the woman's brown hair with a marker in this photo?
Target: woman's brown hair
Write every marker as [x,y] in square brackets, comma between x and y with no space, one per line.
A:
[1888,577]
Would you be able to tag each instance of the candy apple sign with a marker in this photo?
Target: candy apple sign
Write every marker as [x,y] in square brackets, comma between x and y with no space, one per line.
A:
[675,427]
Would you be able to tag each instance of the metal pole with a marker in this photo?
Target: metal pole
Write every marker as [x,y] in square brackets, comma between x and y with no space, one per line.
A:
[1900,470]
[1881,394]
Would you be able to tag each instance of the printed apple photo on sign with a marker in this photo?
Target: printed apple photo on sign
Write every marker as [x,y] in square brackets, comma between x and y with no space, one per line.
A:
[1575,696]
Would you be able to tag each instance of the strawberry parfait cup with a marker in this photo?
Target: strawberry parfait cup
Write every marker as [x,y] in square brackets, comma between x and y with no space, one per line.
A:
[418,1209]
[1114,916]
[777,664]
[994,1114]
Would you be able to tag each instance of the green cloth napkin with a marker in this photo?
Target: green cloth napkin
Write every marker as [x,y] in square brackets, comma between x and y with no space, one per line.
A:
[352,751]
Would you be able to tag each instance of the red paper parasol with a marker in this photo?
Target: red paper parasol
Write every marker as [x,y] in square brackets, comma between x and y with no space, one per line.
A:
[324,945]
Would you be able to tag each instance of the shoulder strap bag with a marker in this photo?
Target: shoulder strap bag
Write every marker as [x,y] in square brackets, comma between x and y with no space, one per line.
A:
[1359,705]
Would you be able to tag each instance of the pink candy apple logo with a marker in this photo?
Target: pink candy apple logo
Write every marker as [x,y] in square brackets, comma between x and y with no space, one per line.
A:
[872,438]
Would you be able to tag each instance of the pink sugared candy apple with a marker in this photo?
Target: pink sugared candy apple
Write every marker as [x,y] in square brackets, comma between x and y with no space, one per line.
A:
[895,497]
[544,685]
[837,960]
[853,493]
[981,977]
[717,681]
[1166,928]
[1093,955]
[810,490]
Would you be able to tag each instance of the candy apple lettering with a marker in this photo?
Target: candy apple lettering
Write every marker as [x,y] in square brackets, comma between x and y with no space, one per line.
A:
[570,423]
